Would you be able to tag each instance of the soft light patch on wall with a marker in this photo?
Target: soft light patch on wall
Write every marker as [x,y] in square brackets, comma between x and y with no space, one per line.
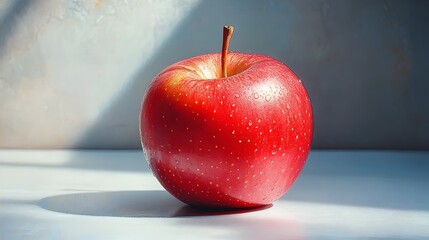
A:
[63,62]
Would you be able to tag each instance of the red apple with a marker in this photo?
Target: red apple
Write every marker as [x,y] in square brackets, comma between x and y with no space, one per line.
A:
[235,139]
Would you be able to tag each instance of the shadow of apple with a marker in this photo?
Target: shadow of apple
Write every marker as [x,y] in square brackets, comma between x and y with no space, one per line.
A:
[153,203]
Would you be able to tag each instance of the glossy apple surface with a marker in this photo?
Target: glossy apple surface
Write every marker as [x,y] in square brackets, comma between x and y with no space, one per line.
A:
[239,141]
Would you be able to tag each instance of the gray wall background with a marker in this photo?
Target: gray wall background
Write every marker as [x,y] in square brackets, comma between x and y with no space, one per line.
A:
[72,73]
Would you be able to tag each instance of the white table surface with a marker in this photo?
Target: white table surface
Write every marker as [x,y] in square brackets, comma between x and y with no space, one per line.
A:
[113,195]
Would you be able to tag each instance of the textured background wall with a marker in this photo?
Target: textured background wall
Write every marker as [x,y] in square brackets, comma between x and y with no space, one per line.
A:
[72,72]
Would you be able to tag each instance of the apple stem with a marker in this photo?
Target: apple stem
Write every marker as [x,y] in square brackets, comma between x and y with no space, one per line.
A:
[227,34]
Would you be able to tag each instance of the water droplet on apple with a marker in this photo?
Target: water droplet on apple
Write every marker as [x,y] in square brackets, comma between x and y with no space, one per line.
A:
[256,95]
[267,98]
[250,123]
[237,96]
[233,105]
[273,152]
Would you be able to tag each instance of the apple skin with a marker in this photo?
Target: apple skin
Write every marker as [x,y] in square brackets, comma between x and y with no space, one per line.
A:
[233,142]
